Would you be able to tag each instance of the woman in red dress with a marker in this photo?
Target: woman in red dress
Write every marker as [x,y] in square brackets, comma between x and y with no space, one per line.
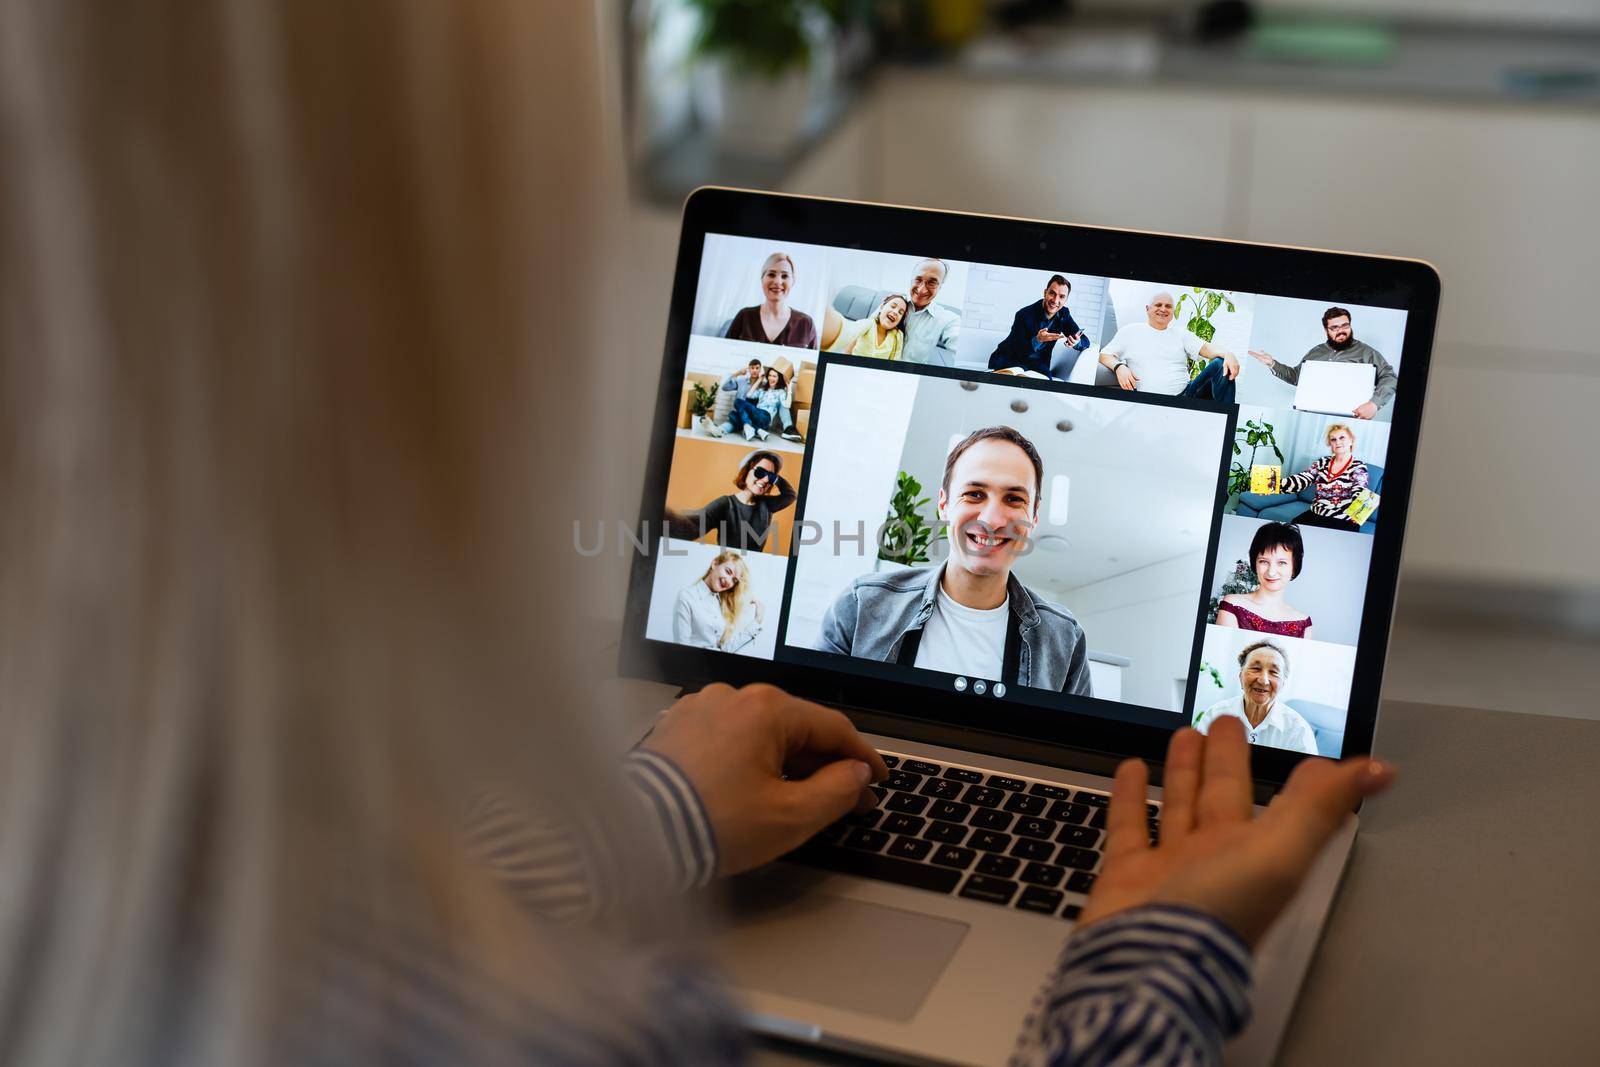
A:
[1276,552]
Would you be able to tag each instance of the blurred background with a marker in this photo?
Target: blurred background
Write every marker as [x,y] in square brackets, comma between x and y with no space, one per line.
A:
[1464,132]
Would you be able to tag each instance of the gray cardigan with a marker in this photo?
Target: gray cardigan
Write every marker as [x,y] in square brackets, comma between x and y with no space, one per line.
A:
[871,619]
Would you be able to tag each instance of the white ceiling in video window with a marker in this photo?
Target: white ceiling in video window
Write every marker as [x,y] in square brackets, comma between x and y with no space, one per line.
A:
[1142,478]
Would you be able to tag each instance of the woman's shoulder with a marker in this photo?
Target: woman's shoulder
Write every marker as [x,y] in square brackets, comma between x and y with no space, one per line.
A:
[1238,601]
[796,315]
[1295,720]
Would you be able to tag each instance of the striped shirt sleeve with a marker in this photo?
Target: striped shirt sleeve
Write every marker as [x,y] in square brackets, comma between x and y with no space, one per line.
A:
[1161,984]
[685,827]
[563,867]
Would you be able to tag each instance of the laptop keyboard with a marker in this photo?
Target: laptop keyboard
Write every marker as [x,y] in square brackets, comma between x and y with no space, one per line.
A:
[1013,842]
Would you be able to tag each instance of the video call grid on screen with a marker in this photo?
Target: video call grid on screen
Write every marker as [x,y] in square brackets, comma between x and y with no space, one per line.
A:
[979,319]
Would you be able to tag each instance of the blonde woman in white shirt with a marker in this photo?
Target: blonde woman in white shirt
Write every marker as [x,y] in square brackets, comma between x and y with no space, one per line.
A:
[1268,720]
[719,609]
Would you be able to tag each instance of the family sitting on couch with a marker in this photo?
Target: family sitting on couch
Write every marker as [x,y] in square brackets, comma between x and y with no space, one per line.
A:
[763,401]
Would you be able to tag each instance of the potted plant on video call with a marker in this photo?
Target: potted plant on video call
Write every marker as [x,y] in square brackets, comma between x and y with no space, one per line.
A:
[906,535]
[1204,304]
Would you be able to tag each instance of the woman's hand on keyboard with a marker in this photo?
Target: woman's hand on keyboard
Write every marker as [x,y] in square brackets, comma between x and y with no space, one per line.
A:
[1213,854]
[771,769]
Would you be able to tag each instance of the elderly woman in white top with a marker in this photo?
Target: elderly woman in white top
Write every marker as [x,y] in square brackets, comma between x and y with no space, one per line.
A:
[719,609]
[1263,674]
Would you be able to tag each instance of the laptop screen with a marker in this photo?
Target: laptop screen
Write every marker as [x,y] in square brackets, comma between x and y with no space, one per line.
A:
[1031,486]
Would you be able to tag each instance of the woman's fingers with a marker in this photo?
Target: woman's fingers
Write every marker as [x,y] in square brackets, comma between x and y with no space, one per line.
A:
[1226,793]
[1317,799]
[1180,784]
[811,732]
[1125,821]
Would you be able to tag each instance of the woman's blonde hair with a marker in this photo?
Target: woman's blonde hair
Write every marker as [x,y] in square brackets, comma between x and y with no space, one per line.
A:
[280,592]
[736,598]
[1335,427]
[780,257]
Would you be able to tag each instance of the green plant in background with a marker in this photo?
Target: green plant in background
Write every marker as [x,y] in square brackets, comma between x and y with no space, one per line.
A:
[702,398]
[1204,304]
[1256,435]
[1216,675]
[1242,580]
[906,535]
[765,37]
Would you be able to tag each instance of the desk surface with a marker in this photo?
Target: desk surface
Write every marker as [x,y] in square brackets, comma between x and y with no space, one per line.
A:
[1467,930]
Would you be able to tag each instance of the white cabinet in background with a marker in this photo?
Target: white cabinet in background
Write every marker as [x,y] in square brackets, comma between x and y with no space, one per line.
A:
[1149,160]
[1105,679]
[1501,200]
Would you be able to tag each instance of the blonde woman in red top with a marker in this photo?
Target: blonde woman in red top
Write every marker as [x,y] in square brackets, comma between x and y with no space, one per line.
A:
[1338,478]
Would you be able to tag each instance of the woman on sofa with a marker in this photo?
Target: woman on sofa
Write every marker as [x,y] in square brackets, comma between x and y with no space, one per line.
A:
[1277,553]
[719,609]
[773,321]
[880,335]
[741,519]
[1338,478]
[776,398]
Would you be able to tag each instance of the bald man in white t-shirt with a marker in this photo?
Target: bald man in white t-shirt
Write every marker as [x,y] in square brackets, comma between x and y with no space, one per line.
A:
[1153,357]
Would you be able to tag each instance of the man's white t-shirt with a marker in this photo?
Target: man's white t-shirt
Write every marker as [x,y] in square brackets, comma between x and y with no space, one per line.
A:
[957,639]
[1158,358]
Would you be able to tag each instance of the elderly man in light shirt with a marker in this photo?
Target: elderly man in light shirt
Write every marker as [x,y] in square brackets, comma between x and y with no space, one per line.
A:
[1153,356]
[931,330]
[1263,673]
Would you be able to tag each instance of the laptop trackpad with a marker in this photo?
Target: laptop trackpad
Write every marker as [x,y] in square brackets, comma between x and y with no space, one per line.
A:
[835,951]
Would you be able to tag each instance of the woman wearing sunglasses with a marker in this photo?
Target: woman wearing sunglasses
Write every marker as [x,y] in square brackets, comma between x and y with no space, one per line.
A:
[742,518]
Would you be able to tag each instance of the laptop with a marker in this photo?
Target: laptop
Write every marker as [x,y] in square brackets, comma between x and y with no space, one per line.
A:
[1003,667]
[1334,388]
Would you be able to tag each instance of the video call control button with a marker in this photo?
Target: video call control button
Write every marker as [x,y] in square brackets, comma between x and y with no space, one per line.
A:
[980,687]
[999,689]
[961,685]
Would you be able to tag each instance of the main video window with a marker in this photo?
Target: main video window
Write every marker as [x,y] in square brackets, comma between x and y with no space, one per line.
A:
[1076,544]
